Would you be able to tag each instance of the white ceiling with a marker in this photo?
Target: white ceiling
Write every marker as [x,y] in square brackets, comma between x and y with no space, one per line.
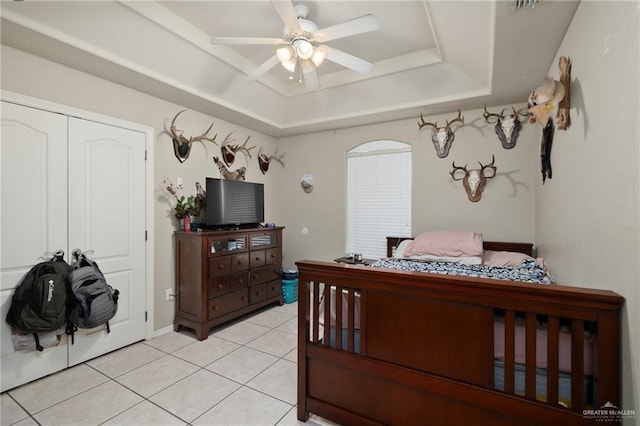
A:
[430,56]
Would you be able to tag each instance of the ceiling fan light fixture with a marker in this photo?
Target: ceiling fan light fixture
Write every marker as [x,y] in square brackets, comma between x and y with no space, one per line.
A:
[284,54]
[318,55]
[303,48]
[289,65]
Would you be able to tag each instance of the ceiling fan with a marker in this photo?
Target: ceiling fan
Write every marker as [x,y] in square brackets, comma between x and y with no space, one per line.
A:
[300,45]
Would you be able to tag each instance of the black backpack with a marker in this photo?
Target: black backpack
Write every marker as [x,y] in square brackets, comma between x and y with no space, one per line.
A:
[38,304]
[92,301]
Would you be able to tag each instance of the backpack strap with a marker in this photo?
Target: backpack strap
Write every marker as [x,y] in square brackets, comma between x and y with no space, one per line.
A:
[38,345]
[71,328]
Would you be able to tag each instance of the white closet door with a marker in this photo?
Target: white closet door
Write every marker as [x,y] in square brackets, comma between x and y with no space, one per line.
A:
[33,153]
[107,215]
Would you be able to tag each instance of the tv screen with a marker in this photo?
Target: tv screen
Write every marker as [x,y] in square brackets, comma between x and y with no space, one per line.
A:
[232,202]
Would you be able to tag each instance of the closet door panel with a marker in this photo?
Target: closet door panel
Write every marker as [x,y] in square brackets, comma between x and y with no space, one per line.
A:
[33,180]
[33,177]
[107,216]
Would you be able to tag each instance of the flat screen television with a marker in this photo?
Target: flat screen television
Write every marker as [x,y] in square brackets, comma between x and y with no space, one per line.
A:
[234,203]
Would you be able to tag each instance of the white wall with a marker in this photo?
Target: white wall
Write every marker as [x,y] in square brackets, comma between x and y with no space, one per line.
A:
[505,212]
[588,215]
[30,75]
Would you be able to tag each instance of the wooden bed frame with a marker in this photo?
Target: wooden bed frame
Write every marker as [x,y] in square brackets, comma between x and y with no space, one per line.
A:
[426,347]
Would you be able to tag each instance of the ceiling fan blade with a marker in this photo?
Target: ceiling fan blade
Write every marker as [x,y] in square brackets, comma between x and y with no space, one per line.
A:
[349,61]
[247,40]
[354,26]
[270,63]
[288,14]
[311,79]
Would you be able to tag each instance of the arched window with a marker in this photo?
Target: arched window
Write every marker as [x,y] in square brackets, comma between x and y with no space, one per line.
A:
[378,196]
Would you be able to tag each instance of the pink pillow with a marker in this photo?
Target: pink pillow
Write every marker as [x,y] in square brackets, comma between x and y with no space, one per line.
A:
[508,258]
[446,243]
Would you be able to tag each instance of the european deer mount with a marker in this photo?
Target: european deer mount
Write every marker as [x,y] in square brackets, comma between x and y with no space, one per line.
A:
[507,126]
[182,145]
[237,174]
[542,101]
[474,180]
[264,160]
[442,137]
[229,150]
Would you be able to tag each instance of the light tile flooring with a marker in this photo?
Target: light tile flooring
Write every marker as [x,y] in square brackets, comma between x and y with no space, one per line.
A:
[243,374]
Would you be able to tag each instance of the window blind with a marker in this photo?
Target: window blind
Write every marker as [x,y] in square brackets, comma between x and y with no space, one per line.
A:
[379,196]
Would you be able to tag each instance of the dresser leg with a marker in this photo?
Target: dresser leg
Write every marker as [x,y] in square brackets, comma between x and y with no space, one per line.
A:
[202,332]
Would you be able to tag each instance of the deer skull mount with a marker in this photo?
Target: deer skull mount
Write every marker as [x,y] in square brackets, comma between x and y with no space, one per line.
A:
[542,101]
[182,145]
[507,126]
[229,150]
[442,137]
[474,180]
[264,160]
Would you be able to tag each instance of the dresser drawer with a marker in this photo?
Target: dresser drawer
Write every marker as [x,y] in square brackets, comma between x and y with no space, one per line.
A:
[257,294]
[273,256]
[238,281]
[240,262]
[274,288]
[216,287]
[219,266]
[265,274]
[257,258]
[229,303]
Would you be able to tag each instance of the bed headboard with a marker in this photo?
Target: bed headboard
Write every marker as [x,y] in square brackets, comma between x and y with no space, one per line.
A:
[526,248]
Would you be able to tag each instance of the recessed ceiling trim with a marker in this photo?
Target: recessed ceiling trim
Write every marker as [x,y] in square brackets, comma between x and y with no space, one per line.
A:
[116,59]
[382,68]
[168,20]
[391,108]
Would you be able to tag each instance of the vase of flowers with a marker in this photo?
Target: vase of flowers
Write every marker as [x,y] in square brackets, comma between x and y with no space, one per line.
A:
[186,208]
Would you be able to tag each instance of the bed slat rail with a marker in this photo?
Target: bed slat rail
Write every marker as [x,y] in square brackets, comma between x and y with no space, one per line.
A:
[333,301]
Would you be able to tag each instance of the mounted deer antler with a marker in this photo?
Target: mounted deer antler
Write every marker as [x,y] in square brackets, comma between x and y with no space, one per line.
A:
[442,137]
[507,127]
[474,180]
[264,160]
[229,151]
[182,145]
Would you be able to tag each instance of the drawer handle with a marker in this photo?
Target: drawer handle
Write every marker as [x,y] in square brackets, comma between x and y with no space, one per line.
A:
[255,277]
[240,281]
[214,308]
[241,297]
[220,266]
[257,258]
[220,286]
[273,256]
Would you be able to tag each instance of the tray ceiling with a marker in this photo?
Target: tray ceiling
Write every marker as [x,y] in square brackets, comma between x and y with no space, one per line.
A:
[430,57]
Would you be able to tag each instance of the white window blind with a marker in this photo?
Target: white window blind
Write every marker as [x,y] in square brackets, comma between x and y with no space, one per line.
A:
[379,196]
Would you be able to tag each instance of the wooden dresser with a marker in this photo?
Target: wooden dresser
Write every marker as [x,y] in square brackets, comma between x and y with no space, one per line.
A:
[221,275]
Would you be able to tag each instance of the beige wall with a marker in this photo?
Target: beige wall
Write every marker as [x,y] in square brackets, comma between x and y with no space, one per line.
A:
[588,215]
[585,220]
[505,212]
[29,75]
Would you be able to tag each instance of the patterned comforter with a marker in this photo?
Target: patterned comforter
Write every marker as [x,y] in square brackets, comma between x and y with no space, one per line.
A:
[528,271]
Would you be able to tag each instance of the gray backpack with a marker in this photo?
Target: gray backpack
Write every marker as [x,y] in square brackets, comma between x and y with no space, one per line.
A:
[93,301]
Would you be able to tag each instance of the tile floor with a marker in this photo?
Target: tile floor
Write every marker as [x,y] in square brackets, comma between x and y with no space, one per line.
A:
[243,374]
